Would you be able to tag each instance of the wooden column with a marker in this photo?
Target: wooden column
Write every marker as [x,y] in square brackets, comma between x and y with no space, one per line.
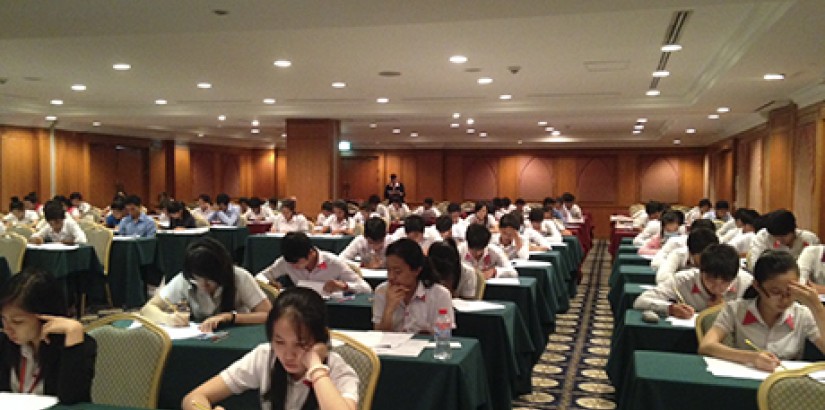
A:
[778,159]
[312,168]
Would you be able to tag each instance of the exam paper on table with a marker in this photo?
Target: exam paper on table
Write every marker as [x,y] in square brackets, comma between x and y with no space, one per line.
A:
[318,286]
[530,264]
[388,343]
[725,368]
[508,269]
[647,287]
[818,376]
[188,231]
[21,401]
[124,238]
[462,305]
[53,246]
[683,322]
[648,257]
[503,281]
[177,333]
[374,273]
[453,345]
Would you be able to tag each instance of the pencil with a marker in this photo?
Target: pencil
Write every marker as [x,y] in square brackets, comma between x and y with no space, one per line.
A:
[200,406]
[679,295]
[755,347]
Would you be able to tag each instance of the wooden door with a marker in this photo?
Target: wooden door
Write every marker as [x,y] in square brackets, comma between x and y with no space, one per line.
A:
[359,178]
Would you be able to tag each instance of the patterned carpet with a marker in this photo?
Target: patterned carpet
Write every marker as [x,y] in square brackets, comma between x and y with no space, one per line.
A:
[570,374]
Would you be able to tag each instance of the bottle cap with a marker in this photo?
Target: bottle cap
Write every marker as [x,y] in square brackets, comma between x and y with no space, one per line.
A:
[442,311]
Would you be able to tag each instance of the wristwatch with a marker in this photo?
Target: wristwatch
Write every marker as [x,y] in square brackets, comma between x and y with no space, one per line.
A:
[234,316]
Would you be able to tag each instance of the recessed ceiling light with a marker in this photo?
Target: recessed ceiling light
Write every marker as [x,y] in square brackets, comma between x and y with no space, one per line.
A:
[637,131]
[549,129]
[555,133]
[505,97]
[200,135]
[669,48]
[542,123]
[382,100]
[482,134]
[373,125]
[470,121]
[653,93]
[255,123]
[485,80]
[458,59]
[456,115]
[121,66]
[344,145]
[661,73]
[204,86]
[690,131]
[713,116]
[396,130]
[161,102]
[51,118]
[413,134]
[282,63]
[339,84]
[269,101]
[78,87]
[641,120]
[455,125]
[255,131]
[471,131]
[283,135]
[774,76]
[677,141]
[638,127]
[723,110]
[96,124]
[56,102]
[221,118]
[519,142]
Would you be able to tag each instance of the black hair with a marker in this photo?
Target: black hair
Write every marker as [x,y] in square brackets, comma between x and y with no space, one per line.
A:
[749,217]
[720,261]
[536,215]
[445,262]
[75,195]
[495,204]
[509,221]
[705,202]
[413,256]
[428,201]
[505,202]
[307,312]
[35,291]
[375,228]
[53,210]
[722,204]
[770,265]
[288,204]
[205,198]
[453,207]
[296,245]
[652,207]
[679,214]
[172,207]
[63,200]
[393,176]
[17,205]
[326,206]
[342,205]
[443,223]
[478,236]
[781,222]
[374,199]
[243,200]
[132,200]
[483,204]
[548,201]
[222,199]
[118,205]
[520,201]
[31,197]
[209,259]
[255,202]
[700,239]
[703,224]
[414,223]
[568,197]
[668,217]
[396,199]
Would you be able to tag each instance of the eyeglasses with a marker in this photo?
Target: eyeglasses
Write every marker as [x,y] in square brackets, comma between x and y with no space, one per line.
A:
[202,282]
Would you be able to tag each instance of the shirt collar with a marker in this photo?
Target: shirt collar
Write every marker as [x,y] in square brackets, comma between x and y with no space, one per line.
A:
[752,316]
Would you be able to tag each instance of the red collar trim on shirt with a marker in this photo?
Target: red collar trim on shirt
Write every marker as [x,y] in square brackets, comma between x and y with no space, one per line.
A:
[776,244]
[468,257]
[804,244]
[750,319]
[322,265]
[487,259]
[789,321]
[695,289]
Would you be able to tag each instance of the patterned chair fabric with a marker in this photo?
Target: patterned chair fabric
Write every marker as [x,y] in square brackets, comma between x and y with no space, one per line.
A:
[793,390]
[129,361]
[365,363]
[270,291]
[481,284]
[22,230]
[705,321]
[13,247]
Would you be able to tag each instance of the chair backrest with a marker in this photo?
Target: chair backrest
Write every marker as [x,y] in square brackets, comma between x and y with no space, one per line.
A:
[130,362]
[270,291]
[200,222]
[792,390]
[13,247]
[22,230]
[359,229]
[481,284]
[101,239]
[364,361]
[355,267]
[705,320]
[86,224]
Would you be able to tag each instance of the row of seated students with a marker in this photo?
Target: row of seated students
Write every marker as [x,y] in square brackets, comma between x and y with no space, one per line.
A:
[770,299]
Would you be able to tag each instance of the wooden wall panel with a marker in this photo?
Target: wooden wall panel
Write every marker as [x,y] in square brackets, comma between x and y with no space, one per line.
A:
[480,178]
[19,165]
[778,157]
[429,174]
[453,177]
[804,173]
[536,178]
[659,179]
[202,166]
[103,175]
[183,174]
[312,168]
[691,183]
[263,173]
[157,172]
[359,177]
[72,162]
[231,176]
[596,180]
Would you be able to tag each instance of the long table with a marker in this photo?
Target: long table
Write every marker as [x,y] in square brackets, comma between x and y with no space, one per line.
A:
[458,383]
[262,250]
[171,250]
[129,261]
[562,266]
[233,238]
[538,318]
[623,301]
[626,259]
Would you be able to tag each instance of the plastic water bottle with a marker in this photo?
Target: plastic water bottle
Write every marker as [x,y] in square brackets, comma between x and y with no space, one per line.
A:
[442,330]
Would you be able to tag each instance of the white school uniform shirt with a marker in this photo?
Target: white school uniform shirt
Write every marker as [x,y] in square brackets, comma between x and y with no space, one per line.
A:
[329,267]
[812,264]
[786,339]
[360,248]
[671,245]
[550,229]
[29,218]
[429,237]
[692,215]
[764,241]
[728,235]
[70,231]
[652,228]
[298,223]
[419,315]
[253,372]
[398,214]
[31,374]
[202,305]
[675,261]
[383,211]
[726,228]
[510,249]
[689,284]
[334,224]
[640,219]
[490,223]
[536,238]
[493,256]
[266,215]
[200,213]
[467,283]
[712,216]
[574,212]
[420,211]
[321,220]
[81,209]
[459,230]
[742,242]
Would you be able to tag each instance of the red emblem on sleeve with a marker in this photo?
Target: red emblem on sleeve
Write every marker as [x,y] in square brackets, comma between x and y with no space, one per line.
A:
[322,265]
[749,318]
[695,289]
[789,321]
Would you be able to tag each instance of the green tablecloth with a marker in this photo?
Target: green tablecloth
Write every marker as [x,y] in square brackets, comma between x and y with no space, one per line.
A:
[92,406]
[674,381]
[629,274]
[233,239]
[62,263]
[5,272]
[128,262]
[622,301]
[536,315]
[171,251]
[626,259]
[262,250]
[626,241]
[505,341]
[575,246]
[632,334]
[627,250]
[459,383]
[561,265]
[551,286]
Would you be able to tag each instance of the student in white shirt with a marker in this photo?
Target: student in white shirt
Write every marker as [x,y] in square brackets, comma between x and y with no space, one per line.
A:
[688,257]
[295,357]
[288,220]
[411,298]
[397,210]
[653,227]
[427,210]
[302,261]
[742,236]
[670,228]
[481,255]
[812,267]
[482,216]
[509,240]
[415,229]
[717,280]
[326,213]
[459,278]
[204,209]
[698,211]
[257,213]
[370,248]
[780,233]
[521,208]
[459,229]
[58,228]
[678,242]
[571,208]
[653,210]
[769,317]
[378,207]
[720,213]
[339,223]
[533,234]
[18,215]
[217,292]
[78,207]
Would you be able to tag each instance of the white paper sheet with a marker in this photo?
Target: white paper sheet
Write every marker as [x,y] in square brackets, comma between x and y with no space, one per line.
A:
[374,273]
[507,270]
[503,281]
[388,343]
[410,348]
[616,218]
[647,287]
[453,345]
[818,376]
[119,238]
[648,257]
[19,401]
[223,227]
[189,231]
[53,246]
[318,286]
[683,322]
[177,333]
[530,264]
[325,235]
[275,234]
[725,368]
[462,305]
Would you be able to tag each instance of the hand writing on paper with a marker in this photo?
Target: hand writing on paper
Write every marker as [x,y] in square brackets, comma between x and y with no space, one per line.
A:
[335,285]
[681,311]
